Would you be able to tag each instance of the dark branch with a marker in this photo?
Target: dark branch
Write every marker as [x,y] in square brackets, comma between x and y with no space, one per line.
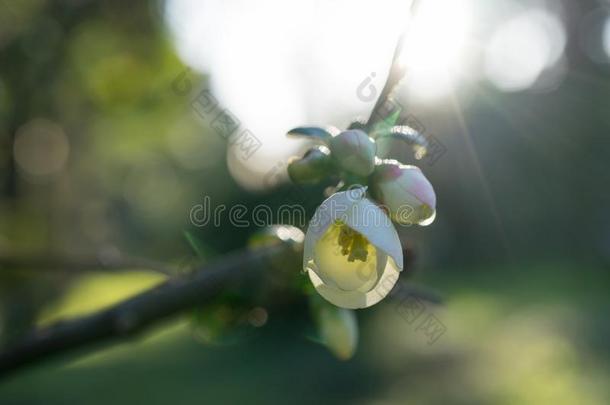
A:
[139,313]
[396,74]
[149,308]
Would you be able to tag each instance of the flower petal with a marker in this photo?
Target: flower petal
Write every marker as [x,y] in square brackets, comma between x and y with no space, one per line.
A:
[331,209]
[371,221]
[358,299]
[405,192]
[363,216]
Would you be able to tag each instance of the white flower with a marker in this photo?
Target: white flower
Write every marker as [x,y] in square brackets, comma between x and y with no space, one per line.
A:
[352,252]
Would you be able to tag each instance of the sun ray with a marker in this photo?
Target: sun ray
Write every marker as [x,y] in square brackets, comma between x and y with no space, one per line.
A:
[465,132]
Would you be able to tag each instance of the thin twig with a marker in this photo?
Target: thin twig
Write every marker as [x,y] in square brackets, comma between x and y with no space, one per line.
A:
[139,313]
[396,73]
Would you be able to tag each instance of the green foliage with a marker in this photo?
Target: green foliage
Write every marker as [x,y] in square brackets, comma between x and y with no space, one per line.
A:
[318,134]
[385,125]
[199,248]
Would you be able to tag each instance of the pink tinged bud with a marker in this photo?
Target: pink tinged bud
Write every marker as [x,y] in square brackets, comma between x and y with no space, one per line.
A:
[405,192]
[354,152]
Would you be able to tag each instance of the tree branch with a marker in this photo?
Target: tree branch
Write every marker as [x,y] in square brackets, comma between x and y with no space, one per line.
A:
[149,308]
[140,312]
[396,73]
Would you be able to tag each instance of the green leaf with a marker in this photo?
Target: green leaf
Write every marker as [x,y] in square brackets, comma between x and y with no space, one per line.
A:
[385,126]
[405,135]
[319,134]
[337,327]
[198,247]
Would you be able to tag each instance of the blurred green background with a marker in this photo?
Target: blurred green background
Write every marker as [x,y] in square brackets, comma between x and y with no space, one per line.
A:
[101,159]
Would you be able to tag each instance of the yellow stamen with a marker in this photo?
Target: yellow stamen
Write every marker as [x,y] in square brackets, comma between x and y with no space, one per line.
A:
[353,244]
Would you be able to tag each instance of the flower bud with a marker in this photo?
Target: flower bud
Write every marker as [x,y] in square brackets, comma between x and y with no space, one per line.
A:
[337,327]
[354,151]
[311,168]
[405,192]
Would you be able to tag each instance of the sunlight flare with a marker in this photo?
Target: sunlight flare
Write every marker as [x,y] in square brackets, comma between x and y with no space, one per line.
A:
[434,49]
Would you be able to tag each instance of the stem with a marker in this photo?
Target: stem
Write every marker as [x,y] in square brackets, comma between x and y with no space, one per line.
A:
[139,313]
[396,73]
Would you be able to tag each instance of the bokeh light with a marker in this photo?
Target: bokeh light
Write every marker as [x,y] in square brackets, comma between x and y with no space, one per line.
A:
[606,37]
[522,48]
[434,51]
